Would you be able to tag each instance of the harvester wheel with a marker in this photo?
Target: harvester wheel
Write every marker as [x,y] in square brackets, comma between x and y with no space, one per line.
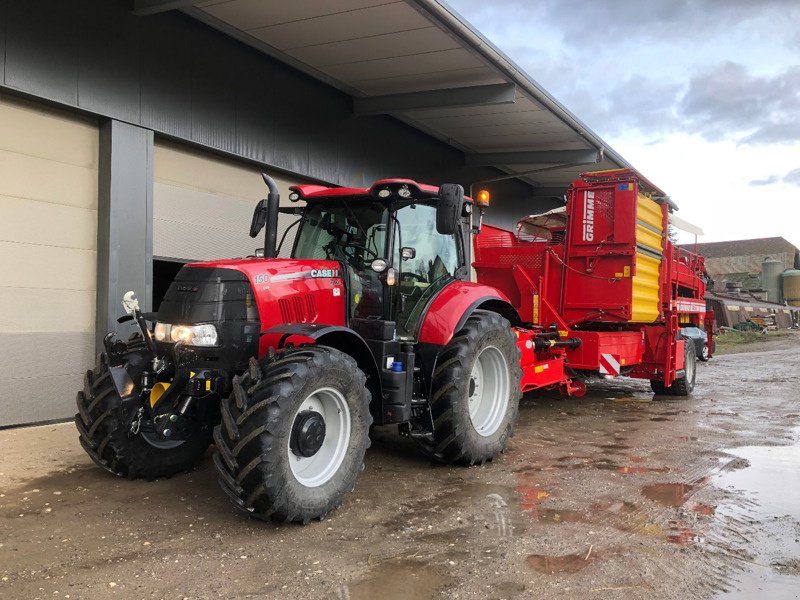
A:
[475,392]
[293,434]
[685,385]
[104,422]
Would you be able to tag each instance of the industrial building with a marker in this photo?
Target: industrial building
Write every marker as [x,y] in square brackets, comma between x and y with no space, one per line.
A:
[739,265]
[756,279]
[132,135]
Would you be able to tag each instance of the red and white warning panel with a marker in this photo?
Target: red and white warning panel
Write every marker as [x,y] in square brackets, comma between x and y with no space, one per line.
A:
[609,365]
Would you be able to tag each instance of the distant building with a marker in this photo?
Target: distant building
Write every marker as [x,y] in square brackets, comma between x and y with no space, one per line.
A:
[740,261]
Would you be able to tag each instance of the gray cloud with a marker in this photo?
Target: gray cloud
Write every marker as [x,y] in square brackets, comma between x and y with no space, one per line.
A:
[590,74]
[793,177]
[726,101]
[766,181]
[608,20]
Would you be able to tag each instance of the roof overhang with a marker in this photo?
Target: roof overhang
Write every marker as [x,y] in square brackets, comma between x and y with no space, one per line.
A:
[422,63]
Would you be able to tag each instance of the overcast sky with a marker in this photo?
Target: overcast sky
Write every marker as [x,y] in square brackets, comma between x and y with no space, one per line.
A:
[701,96]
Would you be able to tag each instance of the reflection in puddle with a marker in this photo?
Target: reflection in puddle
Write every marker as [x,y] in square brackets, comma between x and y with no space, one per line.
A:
[640,470]
[766,494]
[668,494]
[683,536]
[553,515]
[399,579]
[570,563]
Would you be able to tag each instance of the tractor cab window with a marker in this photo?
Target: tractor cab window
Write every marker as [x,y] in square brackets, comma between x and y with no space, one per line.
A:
[430,262]
[354,234]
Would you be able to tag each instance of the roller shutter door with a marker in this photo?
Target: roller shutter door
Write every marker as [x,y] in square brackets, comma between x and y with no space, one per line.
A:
[203,204]
[48,258]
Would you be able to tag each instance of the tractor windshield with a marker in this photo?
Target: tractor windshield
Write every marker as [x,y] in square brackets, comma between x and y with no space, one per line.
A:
[353,233]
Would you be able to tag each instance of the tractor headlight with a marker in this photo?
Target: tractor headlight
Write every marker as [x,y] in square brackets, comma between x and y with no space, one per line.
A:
[191,335]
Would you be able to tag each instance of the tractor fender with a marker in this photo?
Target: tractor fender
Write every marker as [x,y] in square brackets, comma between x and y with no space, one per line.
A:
[334,336]
[449,311]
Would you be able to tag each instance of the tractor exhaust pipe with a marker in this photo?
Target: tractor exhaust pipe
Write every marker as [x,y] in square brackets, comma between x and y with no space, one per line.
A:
[271,229]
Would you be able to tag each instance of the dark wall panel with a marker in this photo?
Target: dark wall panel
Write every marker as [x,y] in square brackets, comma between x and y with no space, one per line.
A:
[3,26]
[166,78]
[214,67]
[108,60]
[183,79]
[42,51]
[124,221]
[255,118]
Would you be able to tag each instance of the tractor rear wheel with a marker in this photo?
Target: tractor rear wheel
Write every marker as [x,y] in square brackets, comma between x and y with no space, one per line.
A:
[105,421]
[475,392]
[685,385]
[293,434]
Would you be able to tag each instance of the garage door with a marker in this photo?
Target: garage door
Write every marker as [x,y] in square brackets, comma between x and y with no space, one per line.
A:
[203,204]
[48,242]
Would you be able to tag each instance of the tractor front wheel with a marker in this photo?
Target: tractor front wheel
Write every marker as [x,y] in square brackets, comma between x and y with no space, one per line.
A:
[294,433]
[475,392]
[115,437]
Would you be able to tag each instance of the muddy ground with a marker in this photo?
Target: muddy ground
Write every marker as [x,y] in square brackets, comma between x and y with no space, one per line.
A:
[611,496]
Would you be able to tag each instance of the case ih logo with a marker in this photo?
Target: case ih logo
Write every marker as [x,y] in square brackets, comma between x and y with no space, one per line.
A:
[325,273]
[588,218]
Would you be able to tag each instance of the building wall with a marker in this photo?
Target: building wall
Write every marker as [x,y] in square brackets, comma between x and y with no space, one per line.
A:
[75,67]
[747,263]
[48,256]
[180,78]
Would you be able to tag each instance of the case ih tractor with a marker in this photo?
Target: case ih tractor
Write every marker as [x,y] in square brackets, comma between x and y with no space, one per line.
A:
[286,363]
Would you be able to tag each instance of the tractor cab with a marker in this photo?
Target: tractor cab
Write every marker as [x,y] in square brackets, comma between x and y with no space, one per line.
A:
[399,244]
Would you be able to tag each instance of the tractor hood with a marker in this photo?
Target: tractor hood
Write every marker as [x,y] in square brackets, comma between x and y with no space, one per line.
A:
[274,291]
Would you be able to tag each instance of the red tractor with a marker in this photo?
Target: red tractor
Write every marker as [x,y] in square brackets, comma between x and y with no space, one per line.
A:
[286,363]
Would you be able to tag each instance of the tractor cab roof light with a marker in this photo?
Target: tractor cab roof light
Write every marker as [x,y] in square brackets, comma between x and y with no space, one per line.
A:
[404,192]
[384,193]
[294,196]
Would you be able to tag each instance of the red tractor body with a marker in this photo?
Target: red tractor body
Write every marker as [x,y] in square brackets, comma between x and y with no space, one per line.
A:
[374,319]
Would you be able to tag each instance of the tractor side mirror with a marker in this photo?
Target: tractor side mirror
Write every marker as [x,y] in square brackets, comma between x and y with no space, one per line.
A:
[407,253]
[448,210]
[259,218]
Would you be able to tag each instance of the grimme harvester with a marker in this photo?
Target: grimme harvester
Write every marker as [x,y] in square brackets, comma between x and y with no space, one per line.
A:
[286,363]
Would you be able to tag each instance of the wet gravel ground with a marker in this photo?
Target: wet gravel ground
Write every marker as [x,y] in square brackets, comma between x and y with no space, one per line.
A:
[615,495]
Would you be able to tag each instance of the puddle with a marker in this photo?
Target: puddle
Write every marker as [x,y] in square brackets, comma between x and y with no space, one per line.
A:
[530,497]
[766,494]
[641,470]
[668,494]
[569,563]
[554,515]
[400,579]
[684,536]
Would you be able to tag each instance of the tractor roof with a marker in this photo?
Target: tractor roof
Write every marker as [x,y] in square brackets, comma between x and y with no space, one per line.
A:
[375,191]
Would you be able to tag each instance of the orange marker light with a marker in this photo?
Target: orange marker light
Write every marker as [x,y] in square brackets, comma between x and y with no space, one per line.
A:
[483,198]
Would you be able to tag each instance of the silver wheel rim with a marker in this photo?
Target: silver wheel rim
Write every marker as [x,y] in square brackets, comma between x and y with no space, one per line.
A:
[314,471]
[704,352]
[689,368]
[488,391]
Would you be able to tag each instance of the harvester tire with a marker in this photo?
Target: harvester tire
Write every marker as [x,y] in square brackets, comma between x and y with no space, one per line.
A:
[469,426]
[104,422]
[293,434]
[685,385]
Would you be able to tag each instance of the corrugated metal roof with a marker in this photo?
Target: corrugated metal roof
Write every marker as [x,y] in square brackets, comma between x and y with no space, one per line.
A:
[373,48]
[763,246]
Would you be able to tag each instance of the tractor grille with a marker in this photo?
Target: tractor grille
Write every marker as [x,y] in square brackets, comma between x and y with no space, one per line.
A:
[298,309]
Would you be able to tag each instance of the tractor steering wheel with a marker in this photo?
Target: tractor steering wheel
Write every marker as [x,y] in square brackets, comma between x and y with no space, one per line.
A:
[412,275]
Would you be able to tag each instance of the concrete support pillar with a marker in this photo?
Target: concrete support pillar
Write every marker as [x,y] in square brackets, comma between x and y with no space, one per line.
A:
[124,221]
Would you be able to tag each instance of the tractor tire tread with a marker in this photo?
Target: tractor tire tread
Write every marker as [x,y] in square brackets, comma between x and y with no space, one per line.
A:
[450,374]
[245,459]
